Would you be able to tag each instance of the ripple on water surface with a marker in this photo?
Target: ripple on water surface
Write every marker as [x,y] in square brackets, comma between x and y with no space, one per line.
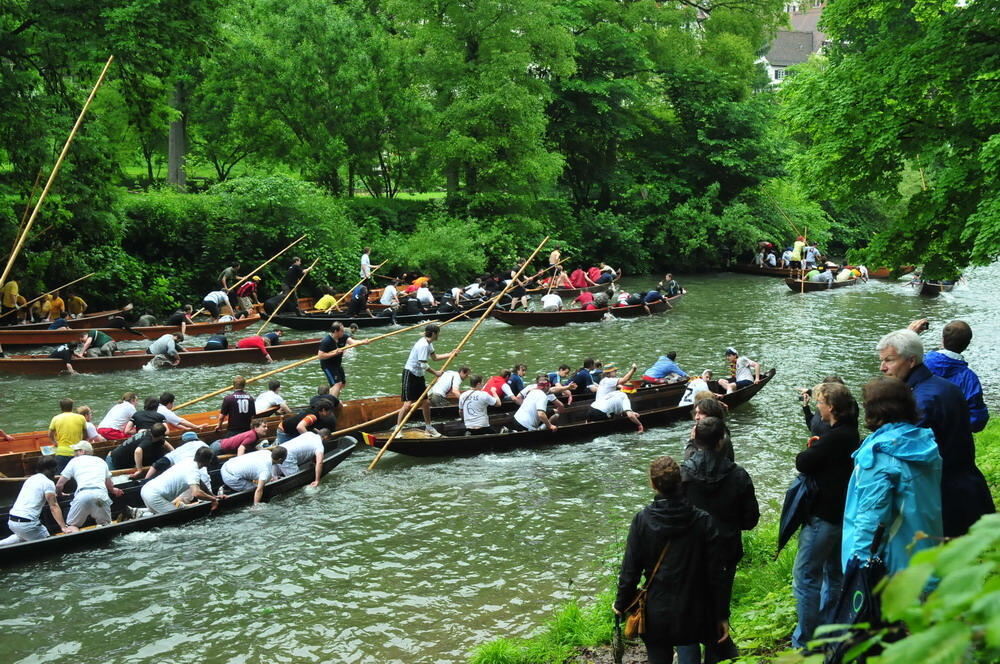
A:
[422,559]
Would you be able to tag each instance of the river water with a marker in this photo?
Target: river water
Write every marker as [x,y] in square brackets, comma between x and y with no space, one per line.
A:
[420,560]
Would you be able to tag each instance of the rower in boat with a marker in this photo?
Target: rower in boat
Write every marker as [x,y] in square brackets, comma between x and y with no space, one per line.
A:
[321,414]
[533,413]
[552,302]
[181,317]
[294,274]
[270,402]
[216,303]
[89,428]
[583,380]
[112,427]
[147,417]
[93,486]
[256,341]
[39,490]
[740,369]
[359,299]
[614,403]
[66,429]
[696,385]
[242,442]
[390,295]
[474,404]
[141,449]
[252,471]
[303,448]
[166,409]
[237,408]
[67,353]
[585,300]
[499,386]
[414,383]
[516,378]
[180,484]
[669,286]
[610,381]
[448,386]
[331,355]
[608,273]
[95,343]
[190,444]
[666,370]
[166,350]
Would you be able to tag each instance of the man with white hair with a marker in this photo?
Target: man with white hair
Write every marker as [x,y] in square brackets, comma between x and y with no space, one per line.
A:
[965,495]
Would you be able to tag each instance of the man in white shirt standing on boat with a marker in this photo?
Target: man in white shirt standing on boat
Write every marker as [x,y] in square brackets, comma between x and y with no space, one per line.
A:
[414,383]
[94,487]
[366,264]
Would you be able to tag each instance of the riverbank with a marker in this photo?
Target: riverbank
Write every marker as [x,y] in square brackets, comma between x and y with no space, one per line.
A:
[763,610]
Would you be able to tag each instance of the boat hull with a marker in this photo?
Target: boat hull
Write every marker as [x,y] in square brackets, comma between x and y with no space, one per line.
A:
[799,286]
[567,316]
[19,337]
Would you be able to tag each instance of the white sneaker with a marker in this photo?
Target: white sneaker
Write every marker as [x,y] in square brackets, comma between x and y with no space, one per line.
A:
[432,432]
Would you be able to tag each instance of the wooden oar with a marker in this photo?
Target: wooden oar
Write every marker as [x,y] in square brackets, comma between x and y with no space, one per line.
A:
[287,295]
[345,295]
[28,304]
[299,363]
[255,271]
[52,175]
[444,367]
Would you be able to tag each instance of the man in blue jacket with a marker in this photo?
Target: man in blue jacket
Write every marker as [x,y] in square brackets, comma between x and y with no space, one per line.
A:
[964,494]
[950,365]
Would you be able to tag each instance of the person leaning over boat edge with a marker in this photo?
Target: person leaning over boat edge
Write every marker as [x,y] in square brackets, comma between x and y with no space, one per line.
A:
[533,412]
[39,490]
[93,486]
[252,471]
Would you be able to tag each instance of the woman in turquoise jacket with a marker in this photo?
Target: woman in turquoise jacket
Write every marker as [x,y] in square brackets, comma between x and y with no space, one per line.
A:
[896,480]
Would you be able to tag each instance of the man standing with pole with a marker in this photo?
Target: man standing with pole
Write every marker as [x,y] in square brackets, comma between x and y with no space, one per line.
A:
[414,382]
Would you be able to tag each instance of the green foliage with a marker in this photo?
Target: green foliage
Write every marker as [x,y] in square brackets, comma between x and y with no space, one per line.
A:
[908,86]
[443,247]
[988,456]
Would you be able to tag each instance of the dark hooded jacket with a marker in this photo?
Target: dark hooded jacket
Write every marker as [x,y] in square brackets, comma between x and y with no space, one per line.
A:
[686,600]
[829,462]
[720,487]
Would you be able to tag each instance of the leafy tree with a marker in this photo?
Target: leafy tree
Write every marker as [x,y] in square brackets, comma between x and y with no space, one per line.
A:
[908,87]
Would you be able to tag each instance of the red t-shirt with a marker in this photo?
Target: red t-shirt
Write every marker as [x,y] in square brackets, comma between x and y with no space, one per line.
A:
[577,279]
[231,444]
[255,341]
[594,274]
[246,289]
[584,299]
[495,385]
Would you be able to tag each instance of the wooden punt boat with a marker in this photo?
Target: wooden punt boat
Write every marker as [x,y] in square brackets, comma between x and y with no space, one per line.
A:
[324,321]
[566,316]
[799,286]
[41,365]
[572,426]
[787,272]
[18,337]
[935,288]
[96,319]
[337,452]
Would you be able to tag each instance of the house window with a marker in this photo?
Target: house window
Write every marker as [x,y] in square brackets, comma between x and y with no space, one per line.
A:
[779,73]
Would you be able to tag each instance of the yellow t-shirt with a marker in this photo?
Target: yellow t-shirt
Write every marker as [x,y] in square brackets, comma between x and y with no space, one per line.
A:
[9,294]
[797,250]
[70,429]
[76,305]
[325,302]
[56,308]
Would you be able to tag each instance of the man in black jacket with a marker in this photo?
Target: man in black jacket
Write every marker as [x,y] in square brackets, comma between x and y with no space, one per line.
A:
[723,489]
[817,576]
[686,601]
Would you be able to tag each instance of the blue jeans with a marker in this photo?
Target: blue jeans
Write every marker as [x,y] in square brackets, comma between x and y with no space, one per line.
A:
[817,576]
[281,437]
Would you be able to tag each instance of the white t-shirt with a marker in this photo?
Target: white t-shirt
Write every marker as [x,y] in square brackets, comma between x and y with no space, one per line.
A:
[250,467]
[388,295]
[88,471]
[185,451]
[267,401]
[424,295]
[366,266]
[31,498]
[456,293]
[623,298]
[301,449]
[534,401]
[474,290]
[474,405]
[613,404]
[771,260]
[448,381]
[119,414]
[421,352]
[743,371]
[91,431]
[175,480]
[168,415]
[606,387]
[693,387]
[551,300]
[220,297]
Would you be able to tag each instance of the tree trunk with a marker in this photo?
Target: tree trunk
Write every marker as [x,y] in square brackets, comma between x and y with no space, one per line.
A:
[177,142]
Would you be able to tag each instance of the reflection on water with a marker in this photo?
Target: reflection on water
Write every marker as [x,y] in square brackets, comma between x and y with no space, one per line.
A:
[421,559]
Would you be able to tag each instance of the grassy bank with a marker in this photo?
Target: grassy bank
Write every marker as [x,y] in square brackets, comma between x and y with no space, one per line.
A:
[763,611]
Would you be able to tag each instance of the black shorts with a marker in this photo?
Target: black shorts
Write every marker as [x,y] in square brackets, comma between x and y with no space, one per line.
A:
[740,384]
[335,375]
[212,307]
[594,415]
[412,387]
[517,426]
[482,431]
[517,291]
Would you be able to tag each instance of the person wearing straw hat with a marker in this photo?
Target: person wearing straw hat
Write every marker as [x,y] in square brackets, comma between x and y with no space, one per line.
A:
[94,487]
[610,381]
